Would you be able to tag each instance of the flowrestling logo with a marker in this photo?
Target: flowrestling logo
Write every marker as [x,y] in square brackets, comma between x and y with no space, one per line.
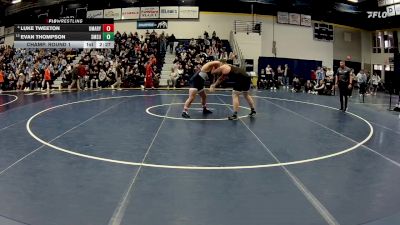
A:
[377,14]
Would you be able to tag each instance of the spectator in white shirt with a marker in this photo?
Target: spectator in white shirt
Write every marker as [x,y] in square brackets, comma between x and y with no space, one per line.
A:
[362,82]
[375,80]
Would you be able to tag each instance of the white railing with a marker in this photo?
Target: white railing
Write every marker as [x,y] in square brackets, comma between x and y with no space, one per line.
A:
[235,48]
[247,26]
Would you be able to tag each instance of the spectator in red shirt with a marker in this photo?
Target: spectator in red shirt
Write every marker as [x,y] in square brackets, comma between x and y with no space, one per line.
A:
[47,78]
[313,75]
[1,80]
[149,75]
[81,76]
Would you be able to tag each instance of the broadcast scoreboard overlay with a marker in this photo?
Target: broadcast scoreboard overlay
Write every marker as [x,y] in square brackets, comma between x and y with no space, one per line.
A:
[66,33]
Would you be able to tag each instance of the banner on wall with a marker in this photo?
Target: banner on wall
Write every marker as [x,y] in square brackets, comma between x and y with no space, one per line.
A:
[306,20]
[152,24]
[131,13]
[283,17]
[149,12]
[387,2]
[2,31]
[113,13]
[169,12]
[189,12]
[397,9]
[93,14]
[294,18]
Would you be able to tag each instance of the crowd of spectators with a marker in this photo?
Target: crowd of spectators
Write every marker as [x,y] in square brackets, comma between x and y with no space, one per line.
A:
[134,60]
[24,69]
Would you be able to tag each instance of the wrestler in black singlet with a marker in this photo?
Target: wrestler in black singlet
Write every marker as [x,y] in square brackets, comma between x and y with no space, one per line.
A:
[241,78]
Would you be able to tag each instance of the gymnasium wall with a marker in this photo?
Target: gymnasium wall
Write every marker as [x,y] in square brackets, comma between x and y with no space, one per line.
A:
[293,42]
[347,42]
[366,50]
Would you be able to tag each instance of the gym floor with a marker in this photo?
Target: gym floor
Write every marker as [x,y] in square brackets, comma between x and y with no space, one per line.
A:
[127,157]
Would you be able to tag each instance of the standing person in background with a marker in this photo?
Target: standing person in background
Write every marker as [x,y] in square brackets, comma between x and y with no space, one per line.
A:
[286,74]
[81,76]
[344,82]
[163,42]
[262,80]
[171,42]
[375,80]
[313,76]
[149,76]
[330,81]
[47,78]
[34,80]
[362,82]
[156,77]
[102,78]
[329,84]
[28,79]
[74,77]
[329,73]
[167,41]
[320,74]
[353,77]
[280,72]
[1,80]
[367,88]
[118,77]
[269,72]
